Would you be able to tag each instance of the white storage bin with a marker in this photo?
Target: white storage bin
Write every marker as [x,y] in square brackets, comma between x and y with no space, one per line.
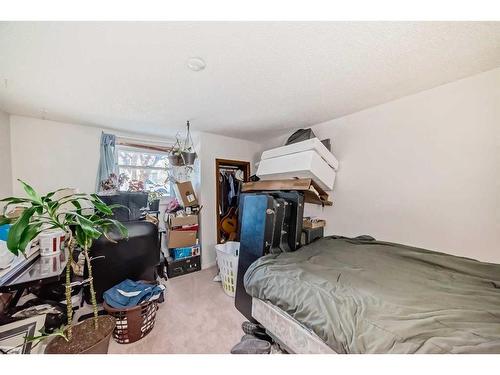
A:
[51,242]
[227,260]
[305,164]
[313,144]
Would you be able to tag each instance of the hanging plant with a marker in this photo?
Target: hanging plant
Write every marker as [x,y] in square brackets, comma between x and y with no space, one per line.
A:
[182,153]
[175,155]
[188,153]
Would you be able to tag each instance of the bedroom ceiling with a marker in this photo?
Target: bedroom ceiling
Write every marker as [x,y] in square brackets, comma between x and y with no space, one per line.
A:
[260,78]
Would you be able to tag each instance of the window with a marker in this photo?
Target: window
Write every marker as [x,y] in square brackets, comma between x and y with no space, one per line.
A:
[143,165]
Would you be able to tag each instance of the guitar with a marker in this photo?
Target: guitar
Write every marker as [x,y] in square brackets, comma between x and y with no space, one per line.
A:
[229,223]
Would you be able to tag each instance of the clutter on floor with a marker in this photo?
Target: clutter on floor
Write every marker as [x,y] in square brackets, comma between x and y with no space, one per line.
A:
[182,223]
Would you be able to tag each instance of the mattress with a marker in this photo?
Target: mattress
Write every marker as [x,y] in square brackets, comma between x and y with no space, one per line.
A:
[305,164]
[290,334]
[366,296]
[313,144]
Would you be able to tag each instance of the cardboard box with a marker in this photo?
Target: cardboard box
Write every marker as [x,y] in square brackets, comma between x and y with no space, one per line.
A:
[186,194]
[177,238]
[312,192]
[179,221]
[184,252]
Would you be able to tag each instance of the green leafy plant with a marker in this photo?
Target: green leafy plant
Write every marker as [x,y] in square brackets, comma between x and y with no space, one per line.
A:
[154,195]
[83,217]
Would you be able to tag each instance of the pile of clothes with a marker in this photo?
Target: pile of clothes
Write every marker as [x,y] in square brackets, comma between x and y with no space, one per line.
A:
[132,293]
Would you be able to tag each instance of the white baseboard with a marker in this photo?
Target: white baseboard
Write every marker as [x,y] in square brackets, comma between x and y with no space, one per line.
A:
[211,264]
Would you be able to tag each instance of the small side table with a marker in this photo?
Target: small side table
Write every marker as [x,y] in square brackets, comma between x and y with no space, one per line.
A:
[36,270]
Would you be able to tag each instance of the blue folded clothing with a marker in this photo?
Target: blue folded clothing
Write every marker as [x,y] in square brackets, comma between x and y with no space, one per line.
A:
[131,293]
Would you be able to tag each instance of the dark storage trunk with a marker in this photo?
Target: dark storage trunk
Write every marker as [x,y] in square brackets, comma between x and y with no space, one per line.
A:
[271,222]
[183,266]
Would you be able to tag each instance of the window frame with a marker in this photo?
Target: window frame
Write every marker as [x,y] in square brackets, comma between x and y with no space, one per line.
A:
[146,149]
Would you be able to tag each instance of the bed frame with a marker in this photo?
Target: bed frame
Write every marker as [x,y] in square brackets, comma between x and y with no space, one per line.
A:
[291,335]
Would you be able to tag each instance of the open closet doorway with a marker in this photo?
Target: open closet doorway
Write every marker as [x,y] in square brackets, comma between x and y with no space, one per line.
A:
[229,176]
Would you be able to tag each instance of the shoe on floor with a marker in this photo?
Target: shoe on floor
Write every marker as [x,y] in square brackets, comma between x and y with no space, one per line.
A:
[249,328]
[256,330]
[251,345]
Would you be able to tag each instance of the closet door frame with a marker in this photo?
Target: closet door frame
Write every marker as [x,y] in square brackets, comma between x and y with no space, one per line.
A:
[220,163]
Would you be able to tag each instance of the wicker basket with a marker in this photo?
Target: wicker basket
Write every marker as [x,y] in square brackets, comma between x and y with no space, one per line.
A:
[134,323]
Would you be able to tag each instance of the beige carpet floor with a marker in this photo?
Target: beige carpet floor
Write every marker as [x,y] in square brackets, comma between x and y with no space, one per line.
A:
[197,317]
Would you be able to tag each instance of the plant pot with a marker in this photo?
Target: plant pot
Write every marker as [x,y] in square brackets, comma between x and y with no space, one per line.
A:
[154,205]
[189,157]
[86,340]
[175,160]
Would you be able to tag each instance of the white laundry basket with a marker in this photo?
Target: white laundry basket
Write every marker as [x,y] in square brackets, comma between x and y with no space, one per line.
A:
[227,260]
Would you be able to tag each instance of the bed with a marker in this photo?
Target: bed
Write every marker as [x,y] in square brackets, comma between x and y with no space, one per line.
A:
[359,295]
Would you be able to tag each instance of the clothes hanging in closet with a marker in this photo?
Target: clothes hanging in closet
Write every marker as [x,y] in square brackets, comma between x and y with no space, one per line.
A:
[229,187]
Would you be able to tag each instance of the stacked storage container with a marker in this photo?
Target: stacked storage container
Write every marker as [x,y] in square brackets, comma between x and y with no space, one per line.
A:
[183,245]
[306,159]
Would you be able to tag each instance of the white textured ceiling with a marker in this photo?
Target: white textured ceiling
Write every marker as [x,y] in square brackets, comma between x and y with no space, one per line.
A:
[261,78]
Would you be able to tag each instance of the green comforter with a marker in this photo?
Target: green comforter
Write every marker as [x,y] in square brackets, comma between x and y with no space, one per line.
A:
[366,296]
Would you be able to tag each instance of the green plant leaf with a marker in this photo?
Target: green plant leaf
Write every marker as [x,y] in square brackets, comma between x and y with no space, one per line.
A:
[115,206]
[77,205]
[44,335]
[38,208]
[31,231]
[48,197]
[74,196]
[102,207]
[121,228]
[31,192]
[88,228]
[97,198]
[81,238]
[17,229]
[5,220]
[15,200]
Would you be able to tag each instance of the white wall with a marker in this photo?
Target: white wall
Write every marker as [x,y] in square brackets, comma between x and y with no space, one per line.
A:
[423,170]
[5,158]
[50,155]
[217,147]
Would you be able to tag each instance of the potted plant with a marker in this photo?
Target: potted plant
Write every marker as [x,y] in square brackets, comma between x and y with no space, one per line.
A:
[154,199]
[109,186]
[188,155]
[182,154]
[175,155]
[84,218]
[187,152]
[135,186]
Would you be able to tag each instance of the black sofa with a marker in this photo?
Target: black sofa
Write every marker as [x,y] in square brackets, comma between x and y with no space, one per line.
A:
[135,258]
